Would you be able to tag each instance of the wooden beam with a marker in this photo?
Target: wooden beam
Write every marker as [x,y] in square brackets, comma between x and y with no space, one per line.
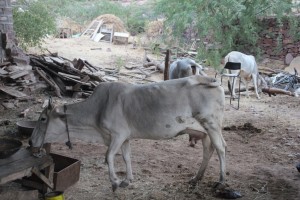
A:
[42,177]
[12,92]
[167,64]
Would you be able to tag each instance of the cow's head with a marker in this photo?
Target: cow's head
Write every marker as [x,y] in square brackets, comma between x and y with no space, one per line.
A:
[198,70]
[51,127]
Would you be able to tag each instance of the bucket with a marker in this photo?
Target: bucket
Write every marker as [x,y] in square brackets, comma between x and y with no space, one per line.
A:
[54,196]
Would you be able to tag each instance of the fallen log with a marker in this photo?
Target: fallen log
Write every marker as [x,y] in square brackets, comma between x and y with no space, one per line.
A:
[274,91]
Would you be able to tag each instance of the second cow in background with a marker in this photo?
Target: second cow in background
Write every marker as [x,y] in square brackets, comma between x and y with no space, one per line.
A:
[185,67]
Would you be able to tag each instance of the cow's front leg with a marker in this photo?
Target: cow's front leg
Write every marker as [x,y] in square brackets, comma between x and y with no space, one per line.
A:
[114,146]
[126,156]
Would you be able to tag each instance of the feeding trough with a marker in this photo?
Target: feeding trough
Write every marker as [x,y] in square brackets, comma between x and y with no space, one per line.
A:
[26,127]
[8,147]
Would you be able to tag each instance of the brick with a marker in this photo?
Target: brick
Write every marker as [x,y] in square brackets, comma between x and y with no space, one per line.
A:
[3,18]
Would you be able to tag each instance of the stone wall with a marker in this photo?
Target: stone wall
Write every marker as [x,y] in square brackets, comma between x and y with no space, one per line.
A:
[9,49]
[276,42]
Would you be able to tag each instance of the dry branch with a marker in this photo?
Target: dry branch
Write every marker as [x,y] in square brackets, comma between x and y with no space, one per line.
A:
[274,91]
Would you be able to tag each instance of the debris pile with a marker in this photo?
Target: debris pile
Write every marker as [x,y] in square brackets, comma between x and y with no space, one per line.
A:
[104,28]
[59,77]
[280,82]
[67,77]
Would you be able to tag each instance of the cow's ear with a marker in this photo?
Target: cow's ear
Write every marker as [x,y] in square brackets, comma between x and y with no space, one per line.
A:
[50,105]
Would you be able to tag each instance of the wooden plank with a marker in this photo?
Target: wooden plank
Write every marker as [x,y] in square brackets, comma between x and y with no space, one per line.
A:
[3,72]
[18,74]
[78,85]
[39,174]
[97,29]
[48,59]
[89,29]
[121,34]
[87,84]
[21,154]
[50,81]
[69,75]
[58,60]
[24,195]
[98,37]
[12,92]
[5,64]
[20,167]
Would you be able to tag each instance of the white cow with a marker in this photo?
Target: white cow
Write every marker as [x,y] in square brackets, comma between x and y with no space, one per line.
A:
[118,112]
[248,70]
[185,67]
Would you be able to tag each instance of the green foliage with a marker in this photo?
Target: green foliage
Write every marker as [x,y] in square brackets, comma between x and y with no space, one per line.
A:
[32,23]
[227,24]
[83,12]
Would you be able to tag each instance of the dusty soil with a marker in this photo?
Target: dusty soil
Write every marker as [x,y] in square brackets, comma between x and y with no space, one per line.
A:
[263,139]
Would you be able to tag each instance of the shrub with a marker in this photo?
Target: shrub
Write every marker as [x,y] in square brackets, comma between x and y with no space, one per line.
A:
[32,22]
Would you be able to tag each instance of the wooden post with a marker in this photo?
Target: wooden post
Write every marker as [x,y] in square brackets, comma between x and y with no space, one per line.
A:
[167,65]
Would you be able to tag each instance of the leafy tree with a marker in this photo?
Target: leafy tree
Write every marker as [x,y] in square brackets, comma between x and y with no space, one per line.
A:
[227,24]
[32,22]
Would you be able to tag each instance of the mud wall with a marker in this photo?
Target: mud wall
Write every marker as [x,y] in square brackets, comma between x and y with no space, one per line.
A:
[276,41]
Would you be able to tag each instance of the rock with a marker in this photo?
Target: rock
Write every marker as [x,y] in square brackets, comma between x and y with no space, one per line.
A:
[288,58]
[294,64]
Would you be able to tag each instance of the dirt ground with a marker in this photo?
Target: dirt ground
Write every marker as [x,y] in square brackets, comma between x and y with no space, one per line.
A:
[263,139]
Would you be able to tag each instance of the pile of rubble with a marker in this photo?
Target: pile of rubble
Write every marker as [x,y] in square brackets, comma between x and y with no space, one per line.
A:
[65,77]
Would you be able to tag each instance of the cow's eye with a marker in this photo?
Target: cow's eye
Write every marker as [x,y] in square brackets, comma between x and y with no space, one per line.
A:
[43,119]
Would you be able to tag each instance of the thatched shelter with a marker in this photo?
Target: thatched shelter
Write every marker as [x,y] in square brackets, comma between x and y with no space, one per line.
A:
[112,20]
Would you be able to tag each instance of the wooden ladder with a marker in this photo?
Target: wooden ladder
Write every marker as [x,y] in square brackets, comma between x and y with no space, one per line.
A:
[92,29]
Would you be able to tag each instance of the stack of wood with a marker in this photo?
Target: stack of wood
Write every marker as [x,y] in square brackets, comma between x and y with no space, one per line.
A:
[76,78]
[67,78]
[15,78]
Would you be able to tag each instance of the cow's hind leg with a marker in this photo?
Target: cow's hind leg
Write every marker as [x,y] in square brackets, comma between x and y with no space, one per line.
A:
[254,78]
[214,131]
[126,156]
[113,148]
[208,150]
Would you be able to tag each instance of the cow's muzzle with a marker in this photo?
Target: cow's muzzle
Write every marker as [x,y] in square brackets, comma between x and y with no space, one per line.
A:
[36,151]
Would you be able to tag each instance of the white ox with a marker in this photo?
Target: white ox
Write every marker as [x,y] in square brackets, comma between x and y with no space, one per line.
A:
[185,67]
[248,70]
[119,112]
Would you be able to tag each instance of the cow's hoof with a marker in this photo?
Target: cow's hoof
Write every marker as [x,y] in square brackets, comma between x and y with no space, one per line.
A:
[228,194]
[192,144]
[124,184]
[114,187]
[298,167]
[219,185]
